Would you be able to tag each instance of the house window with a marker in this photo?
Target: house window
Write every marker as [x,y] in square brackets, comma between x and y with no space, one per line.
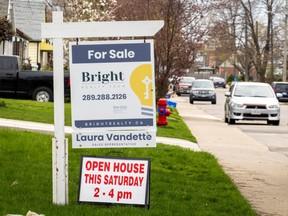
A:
[16,48]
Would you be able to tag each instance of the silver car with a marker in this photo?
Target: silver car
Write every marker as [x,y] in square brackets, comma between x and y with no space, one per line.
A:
[251,101]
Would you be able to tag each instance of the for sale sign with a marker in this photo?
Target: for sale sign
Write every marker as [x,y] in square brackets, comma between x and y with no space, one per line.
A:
[113,89]
[114,180]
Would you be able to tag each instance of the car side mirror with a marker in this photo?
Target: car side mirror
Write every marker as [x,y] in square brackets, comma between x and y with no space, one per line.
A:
[228,94]
[278,95]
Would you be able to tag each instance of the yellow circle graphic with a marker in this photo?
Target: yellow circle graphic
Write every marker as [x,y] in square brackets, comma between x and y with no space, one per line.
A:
[141,84]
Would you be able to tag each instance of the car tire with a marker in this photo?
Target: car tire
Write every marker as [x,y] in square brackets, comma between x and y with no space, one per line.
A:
[213,101]
[191,101]
[276,123]
[225,119]
[231,121]
[43,94]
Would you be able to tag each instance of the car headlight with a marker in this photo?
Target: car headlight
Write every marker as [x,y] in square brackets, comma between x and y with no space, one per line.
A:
[237,105]
[273,106]
[211,92]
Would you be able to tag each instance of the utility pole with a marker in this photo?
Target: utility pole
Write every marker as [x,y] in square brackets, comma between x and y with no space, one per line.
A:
[246,50]
[272,47]
[285,44]
[257,76]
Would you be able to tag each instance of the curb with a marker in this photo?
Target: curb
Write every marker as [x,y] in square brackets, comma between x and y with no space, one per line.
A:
[49,128]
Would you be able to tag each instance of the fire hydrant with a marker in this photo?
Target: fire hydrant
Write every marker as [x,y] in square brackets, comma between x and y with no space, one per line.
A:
[163,112]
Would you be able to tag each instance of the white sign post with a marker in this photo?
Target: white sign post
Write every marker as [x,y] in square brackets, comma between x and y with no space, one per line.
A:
[58,31]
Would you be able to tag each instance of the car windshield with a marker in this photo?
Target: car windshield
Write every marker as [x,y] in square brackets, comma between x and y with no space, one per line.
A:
[186,81]
[281,87]
[202,84]
[218,80]
[253,91]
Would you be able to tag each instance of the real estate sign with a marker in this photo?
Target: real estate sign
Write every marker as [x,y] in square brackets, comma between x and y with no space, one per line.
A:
[114,180]
[113,94]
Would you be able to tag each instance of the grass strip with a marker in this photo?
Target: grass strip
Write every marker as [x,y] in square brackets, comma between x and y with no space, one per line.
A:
[28,110]
[182,182]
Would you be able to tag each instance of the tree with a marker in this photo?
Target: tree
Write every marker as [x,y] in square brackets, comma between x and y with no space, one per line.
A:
[6,29]
[88,10]
[229,35]
[261,45]
[255,30]
[176,45]
[255,33]
[84,11]
[180,40]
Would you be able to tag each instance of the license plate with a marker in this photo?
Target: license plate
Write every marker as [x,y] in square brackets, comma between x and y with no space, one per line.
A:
[256,112]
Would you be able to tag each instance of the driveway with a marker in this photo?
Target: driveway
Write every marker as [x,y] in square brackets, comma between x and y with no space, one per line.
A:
[260,175]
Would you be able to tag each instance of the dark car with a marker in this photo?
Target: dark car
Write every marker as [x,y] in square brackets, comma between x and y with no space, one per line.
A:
[202,90]
[219,82]
[281,87]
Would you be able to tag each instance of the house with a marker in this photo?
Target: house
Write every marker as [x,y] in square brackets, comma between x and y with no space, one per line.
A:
[26,17]
[227,69]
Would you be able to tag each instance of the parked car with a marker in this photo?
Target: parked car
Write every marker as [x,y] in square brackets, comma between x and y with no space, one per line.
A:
[184,85]
[202,90]
[281,87]
[219,82]
[36,85]
[251,101]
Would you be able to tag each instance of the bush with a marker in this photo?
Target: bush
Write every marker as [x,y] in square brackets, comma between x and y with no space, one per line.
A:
[231,78]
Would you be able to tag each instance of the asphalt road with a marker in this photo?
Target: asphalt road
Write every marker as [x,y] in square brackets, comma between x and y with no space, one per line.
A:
[253,154]
[274,137]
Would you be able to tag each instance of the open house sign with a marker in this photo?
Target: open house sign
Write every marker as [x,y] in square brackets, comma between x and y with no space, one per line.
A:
[114,180]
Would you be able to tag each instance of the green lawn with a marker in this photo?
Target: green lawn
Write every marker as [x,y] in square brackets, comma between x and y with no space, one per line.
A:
[183,182]
[28,110]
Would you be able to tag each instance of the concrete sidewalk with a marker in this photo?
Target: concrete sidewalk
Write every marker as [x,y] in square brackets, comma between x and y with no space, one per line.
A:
[49,128]
[261,175]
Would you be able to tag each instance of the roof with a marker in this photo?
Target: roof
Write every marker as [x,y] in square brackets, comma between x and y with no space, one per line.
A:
[23,35]
[3,8]
[29,14]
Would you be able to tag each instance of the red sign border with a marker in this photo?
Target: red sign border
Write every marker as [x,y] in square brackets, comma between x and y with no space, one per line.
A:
[147,195]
